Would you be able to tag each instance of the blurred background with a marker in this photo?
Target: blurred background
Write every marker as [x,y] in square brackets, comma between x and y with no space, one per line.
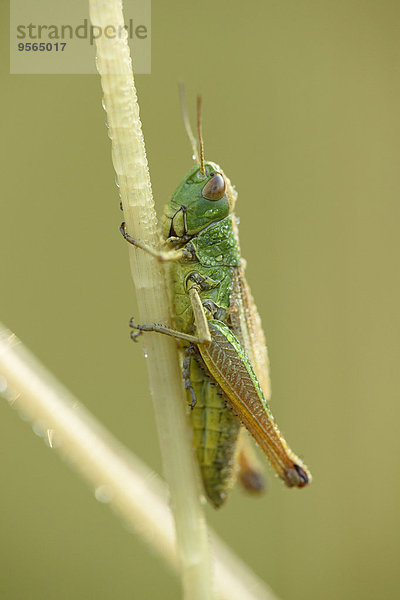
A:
[301,109]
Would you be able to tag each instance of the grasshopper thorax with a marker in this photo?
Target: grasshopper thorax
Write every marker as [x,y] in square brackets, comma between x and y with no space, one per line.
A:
[202,198]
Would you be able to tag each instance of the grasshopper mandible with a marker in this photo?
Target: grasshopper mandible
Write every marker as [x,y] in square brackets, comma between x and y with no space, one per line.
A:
[223,351]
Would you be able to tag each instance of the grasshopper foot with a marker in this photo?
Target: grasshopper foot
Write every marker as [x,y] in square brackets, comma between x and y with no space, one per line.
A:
[138,332]
[122,229]
[135,335]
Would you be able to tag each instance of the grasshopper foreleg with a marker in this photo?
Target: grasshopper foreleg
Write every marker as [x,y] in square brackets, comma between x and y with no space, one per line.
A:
[169,256]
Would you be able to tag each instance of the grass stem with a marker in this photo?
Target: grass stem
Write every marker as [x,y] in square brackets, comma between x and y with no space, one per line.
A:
[130,163]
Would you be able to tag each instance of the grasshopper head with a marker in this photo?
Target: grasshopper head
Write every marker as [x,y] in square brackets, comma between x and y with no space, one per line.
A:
[204,196]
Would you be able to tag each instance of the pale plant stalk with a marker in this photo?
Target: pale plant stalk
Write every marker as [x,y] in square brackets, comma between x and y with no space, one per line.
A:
[130,163]
[117,476]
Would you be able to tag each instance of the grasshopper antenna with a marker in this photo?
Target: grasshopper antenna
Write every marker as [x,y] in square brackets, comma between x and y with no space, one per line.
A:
[192,139]
[201,143]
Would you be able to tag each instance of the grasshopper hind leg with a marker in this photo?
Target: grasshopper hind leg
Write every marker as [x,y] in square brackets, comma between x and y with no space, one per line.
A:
[251,472]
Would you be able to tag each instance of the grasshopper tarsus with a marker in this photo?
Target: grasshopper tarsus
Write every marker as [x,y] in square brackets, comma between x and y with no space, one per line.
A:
[135,335]
[252,481]
[128,237]
[138,328]
[141,328]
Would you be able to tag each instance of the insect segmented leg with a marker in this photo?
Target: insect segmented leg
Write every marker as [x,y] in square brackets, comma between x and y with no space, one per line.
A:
[160,329]
[202,329]
[186,374]
[200,317]
[202,283]
[251,473]
[169,256]
[134,334]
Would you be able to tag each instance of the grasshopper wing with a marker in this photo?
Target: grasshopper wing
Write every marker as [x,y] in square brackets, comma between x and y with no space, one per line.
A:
[246,323]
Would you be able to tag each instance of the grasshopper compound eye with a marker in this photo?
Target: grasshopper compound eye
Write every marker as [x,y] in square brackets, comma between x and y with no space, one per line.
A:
[214,188]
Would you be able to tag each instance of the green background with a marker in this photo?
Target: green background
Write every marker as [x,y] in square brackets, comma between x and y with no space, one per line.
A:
[301,109]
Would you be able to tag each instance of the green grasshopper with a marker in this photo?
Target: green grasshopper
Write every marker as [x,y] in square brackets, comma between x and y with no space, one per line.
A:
[223,350]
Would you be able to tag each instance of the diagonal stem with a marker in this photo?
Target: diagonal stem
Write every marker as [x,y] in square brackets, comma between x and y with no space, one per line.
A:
[118,477]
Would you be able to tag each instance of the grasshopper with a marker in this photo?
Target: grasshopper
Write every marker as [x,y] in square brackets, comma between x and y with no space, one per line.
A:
[222,344]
